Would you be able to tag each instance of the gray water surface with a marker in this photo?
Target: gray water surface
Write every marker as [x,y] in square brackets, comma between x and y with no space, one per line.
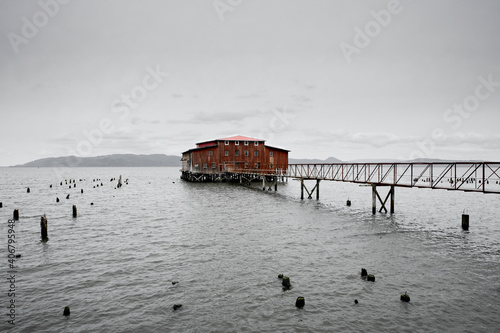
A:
[226,244]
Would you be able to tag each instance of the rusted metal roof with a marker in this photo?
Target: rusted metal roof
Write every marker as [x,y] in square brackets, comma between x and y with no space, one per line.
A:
[233,138]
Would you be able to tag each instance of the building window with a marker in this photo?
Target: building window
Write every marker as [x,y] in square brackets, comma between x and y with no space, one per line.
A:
[271,154]
[256,153]
[256,165]
[246,165]
[213,165]
[271,165]
[226,143]
[236,143]
[246,143]
[226,153]
[196,165]
[210,153]
[246,152]
[204,165]
[256,143]
[236,153]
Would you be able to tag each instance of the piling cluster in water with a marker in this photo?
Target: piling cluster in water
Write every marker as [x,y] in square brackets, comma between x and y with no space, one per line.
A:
[44,221]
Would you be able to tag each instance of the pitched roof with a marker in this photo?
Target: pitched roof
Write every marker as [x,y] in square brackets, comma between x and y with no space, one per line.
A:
[240,138]
[233,138]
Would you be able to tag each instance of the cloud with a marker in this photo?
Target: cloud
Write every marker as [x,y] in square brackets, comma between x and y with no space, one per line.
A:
[210,117]
[301,98]
[368,139]
[138,121]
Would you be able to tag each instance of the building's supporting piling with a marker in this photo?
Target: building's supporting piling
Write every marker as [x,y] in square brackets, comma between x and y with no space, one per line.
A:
[16,214]
[74,211]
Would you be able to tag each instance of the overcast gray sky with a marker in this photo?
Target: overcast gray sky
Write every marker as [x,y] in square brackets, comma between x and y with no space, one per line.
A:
[350,79]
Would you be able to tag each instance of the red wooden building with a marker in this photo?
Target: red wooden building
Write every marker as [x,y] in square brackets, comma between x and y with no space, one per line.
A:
[237,154]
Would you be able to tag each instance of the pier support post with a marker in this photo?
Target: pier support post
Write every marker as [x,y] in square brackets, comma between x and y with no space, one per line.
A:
[374,199]
[276,184]
[317,189]
[301,189]
[392,199]
[263,183]
[375,195]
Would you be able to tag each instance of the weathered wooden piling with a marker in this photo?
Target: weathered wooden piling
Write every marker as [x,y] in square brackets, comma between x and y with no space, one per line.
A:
[67,197]
[465,221]
[364,273]
[176,306]
[16,214]
[50,185]
[1,205]
[28,190]
[286,282]
[405,297]
[348,203]
[356,301]
[81,191]
[74,211]
[300,302]
[370,277]
[66,311]
[57,199]
[43,228]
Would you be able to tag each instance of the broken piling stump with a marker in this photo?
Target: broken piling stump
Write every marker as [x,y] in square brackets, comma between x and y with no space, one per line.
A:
[74,210]
[16,214]
[405,297]
[465,222]
[300,302]
[66,311]
[286,282]
[43,228]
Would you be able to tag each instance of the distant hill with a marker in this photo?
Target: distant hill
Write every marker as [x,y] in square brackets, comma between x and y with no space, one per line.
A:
[115,160]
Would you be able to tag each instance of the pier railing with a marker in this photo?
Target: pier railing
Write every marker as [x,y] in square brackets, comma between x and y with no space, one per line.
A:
[460,176]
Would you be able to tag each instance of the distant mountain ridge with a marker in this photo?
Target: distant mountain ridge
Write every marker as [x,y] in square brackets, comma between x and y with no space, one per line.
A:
[115,160]
[162,160]
[313,160]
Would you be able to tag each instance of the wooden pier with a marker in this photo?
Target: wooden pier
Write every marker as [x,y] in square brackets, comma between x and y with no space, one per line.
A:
[480,177]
